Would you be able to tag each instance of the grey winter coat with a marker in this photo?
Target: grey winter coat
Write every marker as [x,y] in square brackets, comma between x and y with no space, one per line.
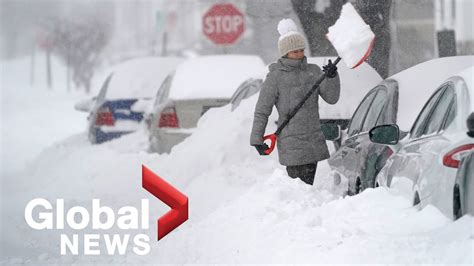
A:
[301,141]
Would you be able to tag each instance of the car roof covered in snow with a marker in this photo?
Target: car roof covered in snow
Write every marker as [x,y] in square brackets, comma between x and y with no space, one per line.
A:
[416,85]
[355,83]
[140,77]
[216,76]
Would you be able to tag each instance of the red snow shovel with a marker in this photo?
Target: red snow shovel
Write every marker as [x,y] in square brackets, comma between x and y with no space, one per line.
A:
[353,41]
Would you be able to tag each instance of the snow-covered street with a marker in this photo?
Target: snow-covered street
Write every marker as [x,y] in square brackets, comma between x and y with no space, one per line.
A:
[243,207]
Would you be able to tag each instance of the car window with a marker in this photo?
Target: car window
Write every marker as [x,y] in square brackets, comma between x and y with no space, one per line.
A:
[359,115]
[240,95]
[163,91]
[419,126]
[450,116]
[381,119]
[375,110]
[256,85]
[245,91]
[103,90]
[438,115]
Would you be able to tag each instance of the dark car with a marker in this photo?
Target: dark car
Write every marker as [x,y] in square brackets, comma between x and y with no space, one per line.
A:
[396,100]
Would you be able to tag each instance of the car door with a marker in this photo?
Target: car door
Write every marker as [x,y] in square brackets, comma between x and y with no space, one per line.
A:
[345,159]
[436,180]
[419,154]
[366,153]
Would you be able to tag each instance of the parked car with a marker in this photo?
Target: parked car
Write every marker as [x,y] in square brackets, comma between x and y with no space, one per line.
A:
[396,100]
[127,92]
[463,193]
[197,85]
[427,159]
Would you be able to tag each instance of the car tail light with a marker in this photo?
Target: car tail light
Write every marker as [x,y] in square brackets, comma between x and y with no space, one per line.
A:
[452,158]
[104,117]
[168,118]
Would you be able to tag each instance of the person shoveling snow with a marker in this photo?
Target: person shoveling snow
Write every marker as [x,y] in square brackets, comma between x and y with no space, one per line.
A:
[302,144]
[291,85]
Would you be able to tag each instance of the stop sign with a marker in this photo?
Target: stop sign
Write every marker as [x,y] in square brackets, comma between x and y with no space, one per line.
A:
[223,23]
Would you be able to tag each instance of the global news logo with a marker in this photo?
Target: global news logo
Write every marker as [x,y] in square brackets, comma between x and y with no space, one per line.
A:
[41,214]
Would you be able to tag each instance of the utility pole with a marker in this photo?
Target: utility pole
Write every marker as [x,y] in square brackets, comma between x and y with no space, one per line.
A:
[445,14]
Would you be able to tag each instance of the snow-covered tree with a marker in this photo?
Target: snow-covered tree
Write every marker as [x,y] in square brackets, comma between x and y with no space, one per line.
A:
[79,43]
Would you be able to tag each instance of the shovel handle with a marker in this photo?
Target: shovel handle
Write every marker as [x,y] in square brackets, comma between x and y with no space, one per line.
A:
[273,140]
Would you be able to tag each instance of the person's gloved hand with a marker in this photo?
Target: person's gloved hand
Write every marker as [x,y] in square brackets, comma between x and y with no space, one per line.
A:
[261,148]
[330,69]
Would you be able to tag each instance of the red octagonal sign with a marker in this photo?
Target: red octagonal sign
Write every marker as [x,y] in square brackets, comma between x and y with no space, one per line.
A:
[223,23]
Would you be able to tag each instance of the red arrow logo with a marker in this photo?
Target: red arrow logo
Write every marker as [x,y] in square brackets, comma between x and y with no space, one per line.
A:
[172,197]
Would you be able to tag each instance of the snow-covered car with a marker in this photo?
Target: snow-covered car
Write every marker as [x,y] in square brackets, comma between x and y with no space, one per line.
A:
[424,167]
[126,94]
[197,85]
[396,100]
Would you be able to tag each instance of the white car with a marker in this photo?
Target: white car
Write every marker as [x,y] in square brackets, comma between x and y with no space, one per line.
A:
[197,85]
[425,165]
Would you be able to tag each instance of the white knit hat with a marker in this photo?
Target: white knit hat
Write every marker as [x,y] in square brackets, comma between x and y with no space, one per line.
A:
[290,38]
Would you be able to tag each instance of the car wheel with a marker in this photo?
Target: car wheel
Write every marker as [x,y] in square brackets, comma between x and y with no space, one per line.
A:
[457,209]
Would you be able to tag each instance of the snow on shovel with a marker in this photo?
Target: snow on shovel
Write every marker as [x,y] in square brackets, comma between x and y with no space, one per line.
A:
[353,40]
[351,37]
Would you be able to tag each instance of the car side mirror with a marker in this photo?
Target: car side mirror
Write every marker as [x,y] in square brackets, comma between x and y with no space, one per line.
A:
[331,131]
[470,125]
[85,105]
[385,134]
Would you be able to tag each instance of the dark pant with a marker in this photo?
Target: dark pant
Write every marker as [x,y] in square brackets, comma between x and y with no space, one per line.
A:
[304,172]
